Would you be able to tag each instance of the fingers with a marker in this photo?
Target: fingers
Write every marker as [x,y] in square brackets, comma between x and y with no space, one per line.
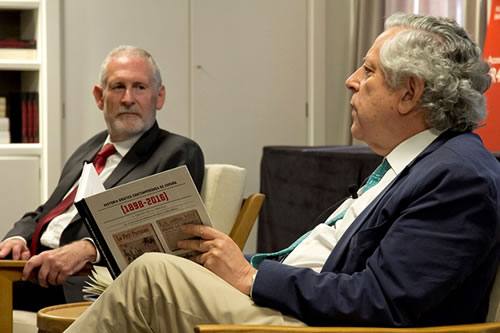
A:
[199,245]
[48,272]
[53,276]
[33,263]
[15,247]
[200,258]
[4,250]
[55,266]
[16,252]
[43,272]
[25,254]
[201,231]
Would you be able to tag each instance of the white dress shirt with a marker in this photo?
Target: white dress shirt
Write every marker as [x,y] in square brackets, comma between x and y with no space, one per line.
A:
[313,251]
[52,234]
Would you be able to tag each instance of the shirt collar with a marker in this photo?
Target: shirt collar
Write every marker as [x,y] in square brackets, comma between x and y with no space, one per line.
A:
[409,149]
[124,146]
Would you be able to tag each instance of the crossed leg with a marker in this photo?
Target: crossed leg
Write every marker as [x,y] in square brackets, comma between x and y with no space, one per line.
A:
[164,293]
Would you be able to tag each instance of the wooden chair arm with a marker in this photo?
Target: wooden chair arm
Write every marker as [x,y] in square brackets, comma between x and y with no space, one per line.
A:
[10,271]
[246,219]
[471,328]
[13,269]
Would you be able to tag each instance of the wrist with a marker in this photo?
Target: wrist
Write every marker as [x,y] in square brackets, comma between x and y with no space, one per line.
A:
[254,275]
[90,250]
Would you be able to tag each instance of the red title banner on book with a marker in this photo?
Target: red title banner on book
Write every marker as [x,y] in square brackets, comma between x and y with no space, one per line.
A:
[491,132]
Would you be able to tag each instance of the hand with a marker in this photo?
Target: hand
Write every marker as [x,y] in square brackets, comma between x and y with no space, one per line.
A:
[220,255]
[15,246]
[56,265]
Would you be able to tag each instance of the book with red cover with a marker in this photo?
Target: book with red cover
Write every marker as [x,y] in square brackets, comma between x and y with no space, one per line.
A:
[34,131]
[24,118]
[23,114]
[12,43]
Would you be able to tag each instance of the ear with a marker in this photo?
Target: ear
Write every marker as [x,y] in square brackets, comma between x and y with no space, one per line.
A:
[160,98]
[411,92]
[98,96]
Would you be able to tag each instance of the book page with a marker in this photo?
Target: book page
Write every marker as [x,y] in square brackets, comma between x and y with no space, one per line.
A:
[146,215]
[100,279]
[89,183]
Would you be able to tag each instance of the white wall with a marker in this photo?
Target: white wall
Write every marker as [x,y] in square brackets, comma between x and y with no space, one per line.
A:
[235,71]
[92,28]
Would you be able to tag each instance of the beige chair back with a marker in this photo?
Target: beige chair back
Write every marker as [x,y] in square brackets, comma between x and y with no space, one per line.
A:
[222,194]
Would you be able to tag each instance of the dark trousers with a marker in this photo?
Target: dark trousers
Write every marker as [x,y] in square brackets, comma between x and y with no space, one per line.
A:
[30,296]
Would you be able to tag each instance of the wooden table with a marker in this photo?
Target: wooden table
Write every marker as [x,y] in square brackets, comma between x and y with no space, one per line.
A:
[55,319]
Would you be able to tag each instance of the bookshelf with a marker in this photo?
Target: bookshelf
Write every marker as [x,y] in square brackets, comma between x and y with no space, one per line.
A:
[30,166]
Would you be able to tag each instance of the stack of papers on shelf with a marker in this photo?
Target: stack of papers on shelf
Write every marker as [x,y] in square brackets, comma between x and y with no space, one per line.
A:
[18,49]
[18,54]
[3,107]
[4,122]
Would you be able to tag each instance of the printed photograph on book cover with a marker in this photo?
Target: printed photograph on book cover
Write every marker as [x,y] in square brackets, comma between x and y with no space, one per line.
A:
[171,227]
[136,241]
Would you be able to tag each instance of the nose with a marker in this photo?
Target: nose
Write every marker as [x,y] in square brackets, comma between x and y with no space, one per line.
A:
[352,83]
[128,97]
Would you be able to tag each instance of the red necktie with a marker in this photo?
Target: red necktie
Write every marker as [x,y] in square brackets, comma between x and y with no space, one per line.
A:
[99,163]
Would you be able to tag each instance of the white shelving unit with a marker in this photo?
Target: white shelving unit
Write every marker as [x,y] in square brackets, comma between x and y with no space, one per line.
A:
[29,170]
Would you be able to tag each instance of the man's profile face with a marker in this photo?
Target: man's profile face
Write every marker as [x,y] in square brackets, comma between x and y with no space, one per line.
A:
[130,98]
[374,103]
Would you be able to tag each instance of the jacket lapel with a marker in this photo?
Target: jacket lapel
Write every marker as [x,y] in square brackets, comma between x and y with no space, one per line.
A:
[344,241]
[138,153]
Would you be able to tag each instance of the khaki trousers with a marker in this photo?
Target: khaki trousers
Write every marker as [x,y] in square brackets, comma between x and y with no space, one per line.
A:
[165,293]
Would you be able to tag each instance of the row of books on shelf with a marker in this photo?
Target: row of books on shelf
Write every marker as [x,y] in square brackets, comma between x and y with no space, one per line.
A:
[19,118]
[18,49]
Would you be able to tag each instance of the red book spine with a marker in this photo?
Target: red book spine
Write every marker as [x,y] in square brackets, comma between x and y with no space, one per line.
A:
[18,43]
[29,128]
[24,119]
[35,118]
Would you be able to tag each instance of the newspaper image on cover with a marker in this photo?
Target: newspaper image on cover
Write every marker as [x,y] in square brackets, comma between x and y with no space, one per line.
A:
[143,216]
[136,241]
[171,227]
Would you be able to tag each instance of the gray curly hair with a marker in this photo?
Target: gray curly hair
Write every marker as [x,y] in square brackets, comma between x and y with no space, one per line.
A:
[132,51]
[438,51]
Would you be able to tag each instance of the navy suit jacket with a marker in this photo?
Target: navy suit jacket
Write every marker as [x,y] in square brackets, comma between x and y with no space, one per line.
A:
[156,150]
[425,252]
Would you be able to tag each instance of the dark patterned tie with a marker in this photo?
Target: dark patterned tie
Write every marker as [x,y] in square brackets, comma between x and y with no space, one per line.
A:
[99,163]
[376,175]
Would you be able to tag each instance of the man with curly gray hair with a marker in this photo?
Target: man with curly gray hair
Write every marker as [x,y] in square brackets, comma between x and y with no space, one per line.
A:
[418,245]
[441,54]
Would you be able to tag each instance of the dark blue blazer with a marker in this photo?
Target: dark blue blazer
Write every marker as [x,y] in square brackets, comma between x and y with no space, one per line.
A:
[425,252]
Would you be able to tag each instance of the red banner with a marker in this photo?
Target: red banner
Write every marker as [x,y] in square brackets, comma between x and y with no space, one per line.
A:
[491,132]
